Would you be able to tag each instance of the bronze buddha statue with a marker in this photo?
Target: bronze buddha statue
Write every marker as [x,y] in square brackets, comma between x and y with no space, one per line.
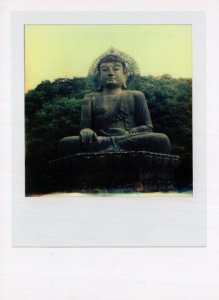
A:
[115,119]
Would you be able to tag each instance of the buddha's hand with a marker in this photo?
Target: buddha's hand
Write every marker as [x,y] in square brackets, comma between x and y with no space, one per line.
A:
[88,136]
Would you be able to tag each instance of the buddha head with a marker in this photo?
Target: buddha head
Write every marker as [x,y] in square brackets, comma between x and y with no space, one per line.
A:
[112,72]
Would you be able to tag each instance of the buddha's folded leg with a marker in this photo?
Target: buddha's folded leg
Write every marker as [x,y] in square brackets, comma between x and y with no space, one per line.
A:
[72,144]
[154,142]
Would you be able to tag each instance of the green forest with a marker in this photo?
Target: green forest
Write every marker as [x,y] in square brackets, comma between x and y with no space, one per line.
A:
[52,111]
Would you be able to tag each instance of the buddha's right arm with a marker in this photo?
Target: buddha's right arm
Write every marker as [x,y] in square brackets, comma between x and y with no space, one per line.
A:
[87,135]
[86,113]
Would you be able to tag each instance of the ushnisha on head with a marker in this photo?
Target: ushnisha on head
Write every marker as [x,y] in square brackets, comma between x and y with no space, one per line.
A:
[112,72]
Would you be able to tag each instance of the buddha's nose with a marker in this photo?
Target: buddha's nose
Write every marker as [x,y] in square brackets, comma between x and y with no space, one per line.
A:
[111,72]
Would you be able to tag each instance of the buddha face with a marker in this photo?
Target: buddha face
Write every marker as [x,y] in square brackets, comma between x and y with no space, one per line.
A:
[112,75]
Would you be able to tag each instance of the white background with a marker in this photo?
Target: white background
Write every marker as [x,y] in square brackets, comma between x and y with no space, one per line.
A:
[112,273]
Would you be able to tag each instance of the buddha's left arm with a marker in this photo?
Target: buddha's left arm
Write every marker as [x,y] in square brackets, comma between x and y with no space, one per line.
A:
[142,114]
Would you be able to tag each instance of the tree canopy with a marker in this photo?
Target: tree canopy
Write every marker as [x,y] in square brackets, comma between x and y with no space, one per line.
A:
[52,111]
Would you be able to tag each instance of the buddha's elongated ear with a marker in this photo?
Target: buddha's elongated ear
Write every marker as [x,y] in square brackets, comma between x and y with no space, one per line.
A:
[99,85]
[124,85]
[99,88]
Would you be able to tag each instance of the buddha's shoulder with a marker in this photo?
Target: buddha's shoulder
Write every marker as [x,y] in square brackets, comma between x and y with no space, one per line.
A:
[90,97]
[135,93]
[96,95]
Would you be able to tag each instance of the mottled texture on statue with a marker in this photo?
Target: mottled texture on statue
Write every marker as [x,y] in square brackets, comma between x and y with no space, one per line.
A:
[115,119]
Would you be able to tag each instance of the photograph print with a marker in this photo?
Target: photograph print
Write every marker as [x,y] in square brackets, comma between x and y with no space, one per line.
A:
[108,109]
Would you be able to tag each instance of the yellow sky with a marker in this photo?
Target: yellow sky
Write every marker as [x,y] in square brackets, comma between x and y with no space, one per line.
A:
[66,51]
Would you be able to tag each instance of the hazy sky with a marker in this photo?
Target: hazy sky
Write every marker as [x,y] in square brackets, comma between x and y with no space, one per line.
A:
[66,51]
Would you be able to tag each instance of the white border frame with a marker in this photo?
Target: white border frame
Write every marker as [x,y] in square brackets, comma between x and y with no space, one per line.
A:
[109,221]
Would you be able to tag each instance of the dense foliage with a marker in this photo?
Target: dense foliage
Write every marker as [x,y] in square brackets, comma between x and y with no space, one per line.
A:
[52,111]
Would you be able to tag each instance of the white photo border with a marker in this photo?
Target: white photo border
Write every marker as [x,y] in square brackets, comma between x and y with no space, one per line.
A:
[109,221]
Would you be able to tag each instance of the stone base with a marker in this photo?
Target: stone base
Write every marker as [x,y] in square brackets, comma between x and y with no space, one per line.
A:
[139,171]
